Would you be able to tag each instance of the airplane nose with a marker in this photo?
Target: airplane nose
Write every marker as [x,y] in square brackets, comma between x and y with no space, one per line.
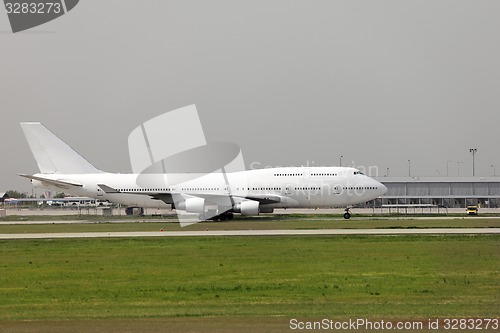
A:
[382,188]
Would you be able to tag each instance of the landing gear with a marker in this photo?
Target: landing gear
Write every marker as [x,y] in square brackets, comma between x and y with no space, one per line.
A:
[222,217]
[226,216]
[347,214]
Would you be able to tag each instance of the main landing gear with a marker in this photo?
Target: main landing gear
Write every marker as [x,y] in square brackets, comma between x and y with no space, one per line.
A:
[347,214]
[224,216]
[221,217]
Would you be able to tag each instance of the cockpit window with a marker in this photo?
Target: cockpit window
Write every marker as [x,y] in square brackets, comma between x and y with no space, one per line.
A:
[358,173]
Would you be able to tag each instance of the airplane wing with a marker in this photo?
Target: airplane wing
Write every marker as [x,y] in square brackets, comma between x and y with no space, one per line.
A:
[107,189]
[59,183]
[265,199]
[168,197]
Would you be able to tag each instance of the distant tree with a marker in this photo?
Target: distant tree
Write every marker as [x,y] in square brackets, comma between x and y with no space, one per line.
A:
[16,194]
[60,195]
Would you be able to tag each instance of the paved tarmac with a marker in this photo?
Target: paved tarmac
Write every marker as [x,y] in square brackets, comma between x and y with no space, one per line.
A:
[391,232]
[27,222]
[327,211]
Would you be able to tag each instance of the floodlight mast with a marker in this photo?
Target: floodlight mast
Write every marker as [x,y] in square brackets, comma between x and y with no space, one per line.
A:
[473,151]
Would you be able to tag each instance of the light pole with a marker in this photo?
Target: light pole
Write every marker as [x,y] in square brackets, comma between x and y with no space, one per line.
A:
[494,172]
[447,168]
[473,151]
[458,164]
[409,168]
[341,160]
[387,174]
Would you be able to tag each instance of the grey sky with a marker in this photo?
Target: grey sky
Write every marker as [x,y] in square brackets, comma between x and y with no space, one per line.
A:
[379,82]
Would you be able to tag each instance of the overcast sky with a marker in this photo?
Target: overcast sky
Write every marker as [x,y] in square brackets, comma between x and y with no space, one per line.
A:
[291,82]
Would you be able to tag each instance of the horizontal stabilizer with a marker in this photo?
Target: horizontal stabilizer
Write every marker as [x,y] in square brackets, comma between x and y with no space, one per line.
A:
[58,183]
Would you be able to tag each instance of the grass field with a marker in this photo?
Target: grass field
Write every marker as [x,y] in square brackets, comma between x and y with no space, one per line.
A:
[42,224]
[247,279]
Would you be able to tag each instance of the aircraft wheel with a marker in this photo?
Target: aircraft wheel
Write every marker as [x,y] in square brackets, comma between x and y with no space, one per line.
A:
[347,215]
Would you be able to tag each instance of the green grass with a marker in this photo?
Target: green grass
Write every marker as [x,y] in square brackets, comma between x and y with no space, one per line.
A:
[251,277]
[310,222]
[76,217]
[92,216]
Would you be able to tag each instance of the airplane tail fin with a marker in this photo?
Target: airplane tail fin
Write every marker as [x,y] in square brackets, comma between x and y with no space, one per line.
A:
[53,155]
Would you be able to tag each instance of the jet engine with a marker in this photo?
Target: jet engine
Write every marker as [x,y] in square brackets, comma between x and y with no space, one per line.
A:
[195,205]
[248,207]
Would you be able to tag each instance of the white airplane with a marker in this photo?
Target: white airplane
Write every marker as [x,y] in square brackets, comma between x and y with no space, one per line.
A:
[248,192]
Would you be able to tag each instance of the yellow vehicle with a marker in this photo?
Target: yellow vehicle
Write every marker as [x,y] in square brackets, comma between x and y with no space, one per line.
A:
[472,210]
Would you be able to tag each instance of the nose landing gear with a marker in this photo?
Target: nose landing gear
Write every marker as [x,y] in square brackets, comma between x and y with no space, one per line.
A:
[347,214]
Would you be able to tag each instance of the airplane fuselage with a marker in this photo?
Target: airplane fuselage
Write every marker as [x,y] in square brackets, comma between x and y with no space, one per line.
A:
[286,187]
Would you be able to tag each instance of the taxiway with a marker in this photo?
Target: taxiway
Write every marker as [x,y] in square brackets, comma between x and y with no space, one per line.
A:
[231,233]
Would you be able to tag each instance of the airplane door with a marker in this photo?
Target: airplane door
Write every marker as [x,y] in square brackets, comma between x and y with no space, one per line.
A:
[288,189]
[100,192]
[307,176]
[336,189]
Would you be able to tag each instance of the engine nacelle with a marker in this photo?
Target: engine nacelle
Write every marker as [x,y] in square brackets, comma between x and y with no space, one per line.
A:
[195,205]
[248,207]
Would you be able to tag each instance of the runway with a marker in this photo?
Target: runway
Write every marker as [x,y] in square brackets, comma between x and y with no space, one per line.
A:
[232,233]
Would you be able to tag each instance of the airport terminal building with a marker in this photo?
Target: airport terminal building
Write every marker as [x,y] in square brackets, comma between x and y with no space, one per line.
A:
[450,192]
